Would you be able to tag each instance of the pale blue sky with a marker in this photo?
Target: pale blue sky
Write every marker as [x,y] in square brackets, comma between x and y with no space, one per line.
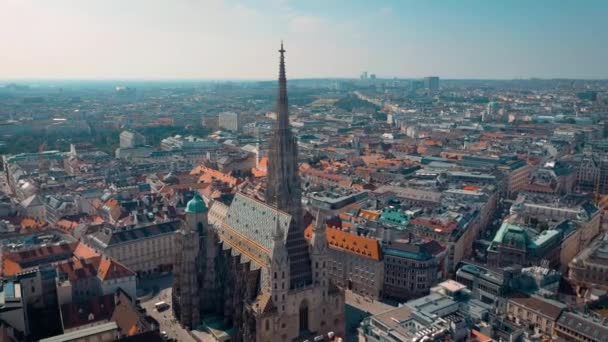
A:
[238,39]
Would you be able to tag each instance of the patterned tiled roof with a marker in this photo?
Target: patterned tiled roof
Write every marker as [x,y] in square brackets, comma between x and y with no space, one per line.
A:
[256,220]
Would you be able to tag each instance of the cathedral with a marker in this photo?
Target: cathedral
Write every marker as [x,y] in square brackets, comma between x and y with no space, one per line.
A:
[248,265]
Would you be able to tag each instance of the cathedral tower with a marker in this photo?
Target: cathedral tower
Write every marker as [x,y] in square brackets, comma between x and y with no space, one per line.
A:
[318,254]
[283,184]
[186,300]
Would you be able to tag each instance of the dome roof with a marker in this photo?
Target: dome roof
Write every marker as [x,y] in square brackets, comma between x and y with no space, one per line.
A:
[196,205]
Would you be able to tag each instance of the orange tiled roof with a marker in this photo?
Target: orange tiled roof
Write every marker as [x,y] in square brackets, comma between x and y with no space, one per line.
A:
[303,167]
[431,142]
[476,336]
[29,222]
[207,175]
[66,225]
[258,173]
[264,162]
[112,269]
[76,269]
[353,243]
[482,145]
[262,169]
[13,261]
[369,214]
[10,267]
[84,251]
[112,203]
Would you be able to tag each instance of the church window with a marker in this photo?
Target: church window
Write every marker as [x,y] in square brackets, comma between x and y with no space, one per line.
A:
[303,316]
[275,275]
[283,296]
[283,285]
[283,275]
[267,324]
[275,286]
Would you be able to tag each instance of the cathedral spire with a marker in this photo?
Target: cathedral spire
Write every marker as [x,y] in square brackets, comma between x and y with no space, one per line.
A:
[283,185]
[282,106]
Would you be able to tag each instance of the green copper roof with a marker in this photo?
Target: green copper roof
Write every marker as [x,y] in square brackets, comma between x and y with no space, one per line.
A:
[196,205]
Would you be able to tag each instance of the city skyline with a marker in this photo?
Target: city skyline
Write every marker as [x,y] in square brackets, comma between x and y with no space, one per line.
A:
[216,40]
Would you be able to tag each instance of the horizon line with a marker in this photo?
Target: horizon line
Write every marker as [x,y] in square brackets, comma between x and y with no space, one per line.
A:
[110,79]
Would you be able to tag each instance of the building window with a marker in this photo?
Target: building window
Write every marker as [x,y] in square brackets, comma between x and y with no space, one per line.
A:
[303,316]
[267,324]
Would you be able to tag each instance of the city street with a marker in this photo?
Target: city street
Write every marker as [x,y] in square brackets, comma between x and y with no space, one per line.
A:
[165,318]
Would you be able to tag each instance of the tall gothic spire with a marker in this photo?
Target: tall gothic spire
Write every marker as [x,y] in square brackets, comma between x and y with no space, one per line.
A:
[283,184]
[282,106]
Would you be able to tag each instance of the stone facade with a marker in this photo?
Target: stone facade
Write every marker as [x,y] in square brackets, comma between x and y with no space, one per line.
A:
[411,268]
[146,250]
[354,262]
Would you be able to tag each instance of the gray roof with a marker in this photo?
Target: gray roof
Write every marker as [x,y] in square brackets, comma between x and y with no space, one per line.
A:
[256,220]
[107,237]
[32,201]
[585,326]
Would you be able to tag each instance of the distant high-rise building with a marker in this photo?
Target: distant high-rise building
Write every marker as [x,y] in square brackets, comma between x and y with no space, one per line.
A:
[431,84]
[364,75]
[415,85]
[131,139]
[229,121]
[372,76]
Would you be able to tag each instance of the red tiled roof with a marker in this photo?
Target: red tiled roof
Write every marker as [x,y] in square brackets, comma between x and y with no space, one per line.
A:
[84,251]
[112,269]
[76,269]
[207,175]
[94,310]
[66,225]
[353,243]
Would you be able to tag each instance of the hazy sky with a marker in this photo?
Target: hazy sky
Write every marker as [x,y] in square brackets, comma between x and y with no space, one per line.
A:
[215,39]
